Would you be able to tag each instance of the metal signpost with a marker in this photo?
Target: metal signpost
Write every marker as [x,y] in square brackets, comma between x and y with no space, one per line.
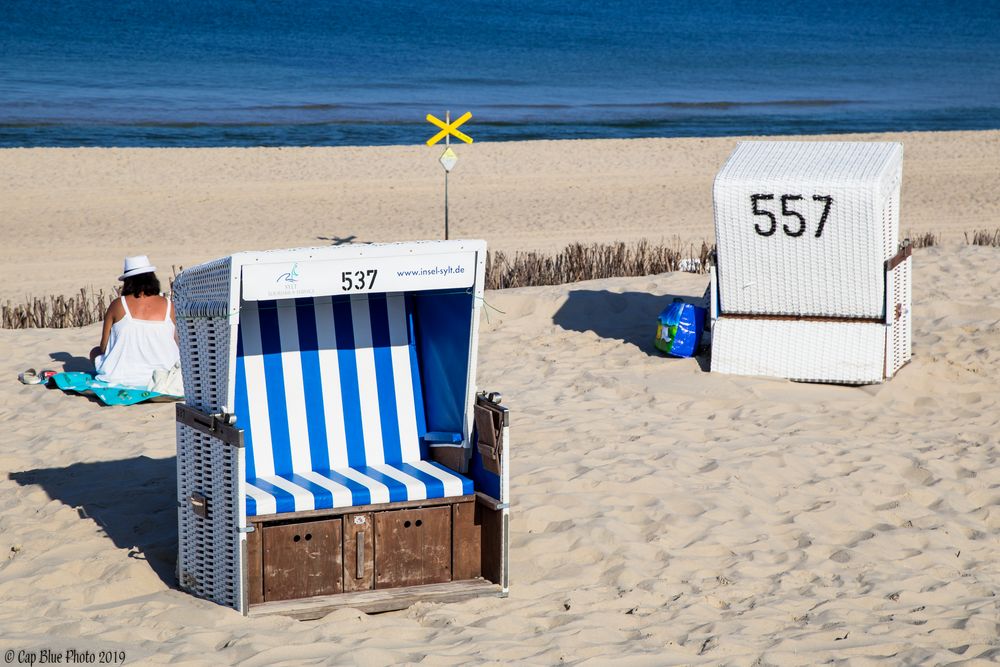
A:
[448,158]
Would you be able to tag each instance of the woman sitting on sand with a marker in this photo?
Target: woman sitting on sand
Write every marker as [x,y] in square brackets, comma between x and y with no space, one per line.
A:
[139,334]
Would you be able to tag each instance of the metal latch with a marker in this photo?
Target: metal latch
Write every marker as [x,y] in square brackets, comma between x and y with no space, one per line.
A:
[220,426]
[199,505]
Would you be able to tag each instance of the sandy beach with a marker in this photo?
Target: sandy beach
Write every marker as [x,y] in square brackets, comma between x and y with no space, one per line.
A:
[82,210]
[662,515]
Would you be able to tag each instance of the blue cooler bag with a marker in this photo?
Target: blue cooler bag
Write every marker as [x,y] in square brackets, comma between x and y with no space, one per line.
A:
[678,331]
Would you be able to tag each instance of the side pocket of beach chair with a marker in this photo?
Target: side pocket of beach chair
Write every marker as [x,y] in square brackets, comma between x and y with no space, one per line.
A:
[489,426]
[490,469]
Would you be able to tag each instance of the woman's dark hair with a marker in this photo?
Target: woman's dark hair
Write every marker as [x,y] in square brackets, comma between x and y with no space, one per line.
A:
[144,284]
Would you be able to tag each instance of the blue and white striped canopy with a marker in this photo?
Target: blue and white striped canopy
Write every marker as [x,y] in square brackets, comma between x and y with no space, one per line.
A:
[328,393]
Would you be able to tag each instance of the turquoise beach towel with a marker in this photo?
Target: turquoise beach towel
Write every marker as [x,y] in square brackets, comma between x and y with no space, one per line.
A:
[83,383]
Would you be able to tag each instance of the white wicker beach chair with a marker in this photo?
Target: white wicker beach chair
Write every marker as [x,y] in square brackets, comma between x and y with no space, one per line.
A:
[332,450]
[811,281]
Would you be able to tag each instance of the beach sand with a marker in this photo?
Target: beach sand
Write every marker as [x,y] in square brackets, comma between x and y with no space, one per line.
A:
[661,514]
[68,216]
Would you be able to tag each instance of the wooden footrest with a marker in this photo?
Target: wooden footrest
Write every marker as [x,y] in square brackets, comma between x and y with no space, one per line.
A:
[376,601]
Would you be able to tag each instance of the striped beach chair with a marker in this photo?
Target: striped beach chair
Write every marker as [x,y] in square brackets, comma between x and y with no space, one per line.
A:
[330,395]
[812,282]
[331,390]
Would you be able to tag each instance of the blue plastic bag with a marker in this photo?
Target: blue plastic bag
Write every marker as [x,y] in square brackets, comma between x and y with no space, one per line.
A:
[678,332]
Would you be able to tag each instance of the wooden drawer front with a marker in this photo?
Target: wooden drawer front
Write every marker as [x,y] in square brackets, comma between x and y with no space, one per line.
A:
[359,552]
[302,560]
[412,547]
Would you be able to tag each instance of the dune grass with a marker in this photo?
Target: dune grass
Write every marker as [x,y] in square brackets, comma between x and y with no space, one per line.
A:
[576,262]
[926,240]
[57,312]
[579,262]
[984,237]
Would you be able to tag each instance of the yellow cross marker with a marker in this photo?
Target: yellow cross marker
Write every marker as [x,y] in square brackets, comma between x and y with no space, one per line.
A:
[449,128]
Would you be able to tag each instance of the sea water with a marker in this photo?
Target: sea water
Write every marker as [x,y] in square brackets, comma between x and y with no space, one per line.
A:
[328,72]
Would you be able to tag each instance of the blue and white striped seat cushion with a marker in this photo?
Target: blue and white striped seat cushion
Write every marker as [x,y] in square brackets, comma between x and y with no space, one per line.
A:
[349,487]
[329,397]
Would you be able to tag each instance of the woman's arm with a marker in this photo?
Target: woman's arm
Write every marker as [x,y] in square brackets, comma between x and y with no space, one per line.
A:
[173,317]
[110,318]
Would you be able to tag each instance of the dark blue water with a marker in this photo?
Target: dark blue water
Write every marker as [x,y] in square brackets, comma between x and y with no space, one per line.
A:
[326,72]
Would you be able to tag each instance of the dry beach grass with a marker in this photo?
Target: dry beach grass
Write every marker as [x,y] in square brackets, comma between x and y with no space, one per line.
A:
[574,263]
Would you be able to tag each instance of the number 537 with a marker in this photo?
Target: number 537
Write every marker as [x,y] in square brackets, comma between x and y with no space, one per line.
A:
[798,227]
[354,281]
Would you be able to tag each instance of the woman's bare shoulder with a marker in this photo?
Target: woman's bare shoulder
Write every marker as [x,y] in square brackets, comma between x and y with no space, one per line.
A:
[115,310]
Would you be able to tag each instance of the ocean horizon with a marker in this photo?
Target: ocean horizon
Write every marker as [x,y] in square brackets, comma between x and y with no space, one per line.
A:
[303,73]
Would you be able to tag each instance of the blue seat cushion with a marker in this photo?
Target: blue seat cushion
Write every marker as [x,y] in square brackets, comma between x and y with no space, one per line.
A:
[348,487]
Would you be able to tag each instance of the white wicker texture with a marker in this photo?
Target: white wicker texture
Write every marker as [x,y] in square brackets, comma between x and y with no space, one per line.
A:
[210,550]
[900,335]
[204,289]
[843,352]
[205,327]
[205,353]
[826,221]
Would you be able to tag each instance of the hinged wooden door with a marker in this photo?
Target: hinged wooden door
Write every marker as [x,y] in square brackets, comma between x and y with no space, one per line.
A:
[302,560]
[412,547]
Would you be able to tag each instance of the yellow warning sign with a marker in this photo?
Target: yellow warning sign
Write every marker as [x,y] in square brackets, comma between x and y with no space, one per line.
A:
[449,128]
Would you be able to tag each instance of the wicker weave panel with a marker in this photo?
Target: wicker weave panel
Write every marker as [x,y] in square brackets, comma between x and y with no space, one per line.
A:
[210,548]
[205,354]
[198,287]
[901,333]
[837,274]
[204,326]
[842,352]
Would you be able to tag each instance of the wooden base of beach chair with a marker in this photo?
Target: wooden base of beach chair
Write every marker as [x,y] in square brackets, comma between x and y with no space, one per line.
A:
[375,557]
[373,602]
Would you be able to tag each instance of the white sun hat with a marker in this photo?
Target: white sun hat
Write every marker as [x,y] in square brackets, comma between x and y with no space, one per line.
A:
[136,265]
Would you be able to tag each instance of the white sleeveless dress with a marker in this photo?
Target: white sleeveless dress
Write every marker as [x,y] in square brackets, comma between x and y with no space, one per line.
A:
[136,348]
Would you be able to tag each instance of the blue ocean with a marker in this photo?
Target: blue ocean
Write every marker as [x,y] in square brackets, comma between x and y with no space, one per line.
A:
[328,72]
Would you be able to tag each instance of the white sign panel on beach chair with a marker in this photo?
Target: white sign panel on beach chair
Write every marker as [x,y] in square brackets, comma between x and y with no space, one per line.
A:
[292,279]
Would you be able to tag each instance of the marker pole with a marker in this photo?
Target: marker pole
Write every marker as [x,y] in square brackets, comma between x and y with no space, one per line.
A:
[447,143]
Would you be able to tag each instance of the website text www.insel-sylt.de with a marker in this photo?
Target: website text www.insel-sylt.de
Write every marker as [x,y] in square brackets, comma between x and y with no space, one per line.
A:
[442,271]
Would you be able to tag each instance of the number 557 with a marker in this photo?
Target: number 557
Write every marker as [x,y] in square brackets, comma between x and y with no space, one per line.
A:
[798,227]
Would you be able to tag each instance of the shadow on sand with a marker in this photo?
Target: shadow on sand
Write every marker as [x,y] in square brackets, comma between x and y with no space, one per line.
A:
[71,363]
[626,316]
[341,240]
[133,500]
[74,364]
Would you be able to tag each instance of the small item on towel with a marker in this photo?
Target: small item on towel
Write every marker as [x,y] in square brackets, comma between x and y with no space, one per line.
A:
[169,382]
[29,376]
[679,329]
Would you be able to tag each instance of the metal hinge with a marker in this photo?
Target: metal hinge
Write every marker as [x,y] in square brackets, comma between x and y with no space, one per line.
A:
[220,426]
